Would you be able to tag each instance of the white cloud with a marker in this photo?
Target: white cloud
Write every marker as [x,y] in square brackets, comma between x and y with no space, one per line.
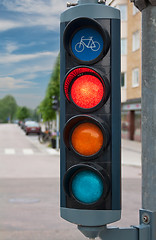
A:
[14,58]
[10,83]
[50,22]
[35,7]
[11,47]
[40,13]
[45,67]
[29,76]
[6,25]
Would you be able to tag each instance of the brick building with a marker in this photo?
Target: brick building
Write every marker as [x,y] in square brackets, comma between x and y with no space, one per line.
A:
[130,69]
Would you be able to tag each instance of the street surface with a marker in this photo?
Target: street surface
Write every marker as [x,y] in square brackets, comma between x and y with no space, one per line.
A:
[29,188]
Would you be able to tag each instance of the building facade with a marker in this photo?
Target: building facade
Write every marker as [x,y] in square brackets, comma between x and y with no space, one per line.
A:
[130,69]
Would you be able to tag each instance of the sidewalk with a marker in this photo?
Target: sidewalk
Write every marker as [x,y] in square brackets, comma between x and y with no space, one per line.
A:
[131,153]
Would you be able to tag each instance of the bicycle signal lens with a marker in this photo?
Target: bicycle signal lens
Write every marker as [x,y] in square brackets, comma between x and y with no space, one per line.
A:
[87,44]
[87,139]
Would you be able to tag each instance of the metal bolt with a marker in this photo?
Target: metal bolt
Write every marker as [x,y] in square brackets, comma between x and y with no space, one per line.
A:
[71,4]
[102,1]
[145,218]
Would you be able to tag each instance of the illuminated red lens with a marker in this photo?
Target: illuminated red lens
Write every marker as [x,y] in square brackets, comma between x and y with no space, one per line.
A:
[84,87]
[87,91]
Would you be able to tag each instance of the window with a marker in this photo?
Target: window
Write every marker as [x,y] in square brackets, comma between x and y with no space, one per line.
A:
[123,80]
[135,41]
[123,10]
[123,46]
[135,10]
[135,77]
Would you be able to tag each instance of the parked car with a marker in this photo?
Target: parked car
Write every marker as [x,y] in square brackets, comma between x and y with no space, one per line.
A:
[32,127]
[26,123]
[23,123]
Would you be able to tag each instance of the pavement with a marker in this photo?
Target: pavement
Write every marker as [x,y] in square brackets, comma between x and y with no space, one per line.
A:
[131,153]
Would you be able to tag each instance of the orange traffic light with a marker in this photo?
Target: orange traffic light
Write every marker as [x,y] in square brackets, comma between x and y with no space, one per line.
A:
[87,139]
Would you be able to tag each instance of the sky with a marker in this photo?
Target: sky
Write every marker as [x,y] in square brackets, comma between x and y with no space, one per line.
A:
[29,46]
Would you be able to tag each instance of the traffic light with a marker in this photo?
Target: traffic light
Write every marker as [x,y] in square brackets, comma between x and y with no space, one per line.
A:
[90,130]
[55,103]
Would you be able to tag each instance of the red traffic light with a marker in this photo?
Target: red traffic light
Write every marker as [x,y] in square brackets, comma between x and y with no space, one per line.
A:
[87,91]
[85,88]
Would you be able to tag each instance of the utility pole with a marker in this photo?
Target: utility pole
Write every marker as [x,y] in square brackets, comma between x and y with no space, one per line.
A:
[55,107]
[148,9]
[149,107]
[57,129]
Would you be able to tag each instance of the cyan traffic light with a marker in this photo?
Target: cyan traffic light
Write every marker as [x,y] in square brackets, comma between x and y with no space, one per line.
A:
[90,175]
[87,186]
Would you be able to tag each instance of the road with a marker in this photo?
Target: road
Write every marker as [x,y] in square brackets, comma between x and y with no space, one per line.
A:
[29,189]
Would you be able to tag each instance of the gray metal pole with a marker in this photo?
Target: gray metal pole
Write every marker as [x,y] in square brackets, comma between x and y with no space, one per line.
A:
[149,108]
[57,129]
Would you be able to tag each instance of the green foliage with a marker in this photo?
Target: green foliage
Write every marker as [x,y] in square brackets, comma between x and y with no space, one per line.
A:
[54,84]
[23,113]
[34,115]
[46,110]
[8,108]
[53,89]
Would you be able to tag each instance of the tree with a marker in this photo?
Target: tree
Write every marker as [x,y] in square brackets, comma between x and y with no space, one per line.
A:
[34,114]
[23,113]
[8,108]
[53,89]
[54,84]
[46,110]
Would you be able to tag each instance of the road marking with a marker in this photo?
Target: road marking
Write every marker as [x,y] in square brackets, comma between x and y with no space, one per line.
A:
[28,151]
[52,151]
[24,200]
[9,151]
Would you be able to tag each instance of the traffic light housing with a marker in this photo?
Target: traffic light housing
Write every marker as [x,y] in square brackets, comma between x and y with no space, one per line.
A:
[90,131]
[55,103]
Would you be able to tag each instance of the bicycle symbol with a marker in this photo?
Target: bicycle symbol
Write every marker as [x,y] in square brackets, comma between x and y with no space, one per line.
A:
[88,43]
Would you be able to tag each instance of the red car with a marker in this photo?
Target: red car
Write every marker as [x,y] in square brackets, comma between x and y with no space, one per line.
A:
[32,127]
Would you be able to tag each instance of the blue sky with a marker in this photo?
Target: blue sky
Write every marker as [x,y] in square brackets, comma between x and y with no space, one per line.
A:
[29,45]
